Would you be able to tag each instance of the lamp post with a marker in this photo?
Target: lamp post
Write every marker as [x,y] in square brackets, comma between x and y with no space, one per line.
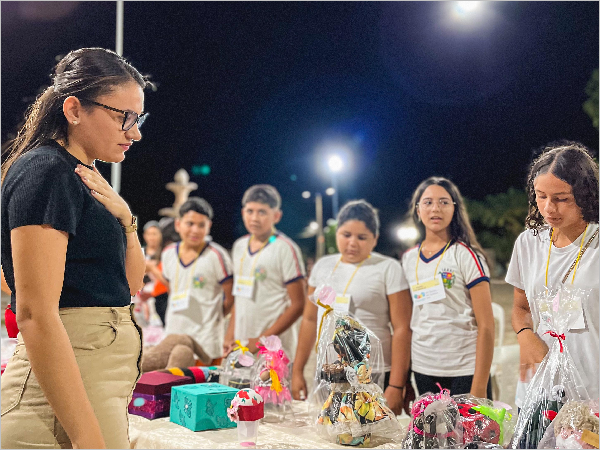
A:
[335,164]
[316,228]
[115,169]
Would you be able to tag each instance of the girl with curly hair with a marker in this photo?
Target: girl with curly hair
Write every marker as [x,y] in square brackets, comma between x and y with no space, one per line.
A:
[559,248]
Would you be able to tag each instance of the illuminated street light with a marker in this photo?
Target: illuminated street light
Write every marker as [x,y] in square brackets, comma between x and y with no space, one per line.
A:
[330,191]
[306,194]
[407,234]
[314,226]
[335,163]
[466,7]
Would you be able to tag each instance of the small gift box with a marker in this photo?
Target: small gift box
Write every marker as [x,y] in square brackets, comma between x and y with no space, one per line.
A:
[156,383]
[202,406]
[150,406]
[152,394]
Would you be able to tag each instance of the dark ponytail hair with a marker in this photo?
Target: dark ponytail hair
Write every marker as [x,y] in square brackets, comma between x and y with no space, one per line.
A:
[571,162]
[460,226]
[87,72]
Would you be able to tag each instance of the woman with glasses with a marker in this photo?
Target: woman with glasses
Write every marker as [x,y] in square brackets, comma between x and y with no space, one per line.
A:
[72,260]
[452,321]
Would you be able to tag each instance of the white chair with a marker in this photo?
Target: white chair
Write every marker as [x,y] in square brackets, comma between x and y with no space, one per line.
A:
[496,369]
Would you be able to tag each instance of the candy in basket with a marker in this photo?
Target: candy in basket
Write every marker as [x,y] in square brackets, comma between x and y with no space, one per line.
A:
[271,377]
[348,354]
[237,369]
[557,379]
[574,426]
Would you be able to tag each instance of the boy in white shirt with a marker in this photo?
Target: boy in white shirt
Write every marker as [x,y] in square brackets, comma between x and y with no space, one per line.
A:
[269,285]
[200,279]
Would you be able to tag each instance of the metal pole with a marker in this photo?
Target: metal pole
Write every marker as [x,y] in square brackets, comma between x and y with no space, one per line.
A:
[115,170]
[319,216]
[334,198]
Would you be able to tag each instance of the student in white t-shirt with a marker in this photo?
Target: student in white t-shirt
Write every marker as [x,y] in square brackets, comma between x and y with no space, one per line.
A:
[199,276]
[452,321]
[269,285]
[376,293]
[563,217]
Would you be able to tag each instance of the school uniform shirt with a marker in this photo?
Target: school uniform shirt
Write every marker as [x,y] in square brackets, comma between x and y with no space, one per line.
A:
[527,271]
[444,332]
[378,277]
[279,264]
[203,319]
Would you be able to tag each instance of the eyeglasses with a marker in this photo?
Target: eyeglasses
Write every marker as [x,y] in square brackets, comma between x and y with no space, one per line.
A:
[444,203]
[131,117]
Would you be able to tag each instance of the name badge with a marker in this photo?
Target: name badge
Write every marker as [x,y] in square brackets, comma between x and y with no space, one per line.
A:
[243,287]
[180,301]
[428,291]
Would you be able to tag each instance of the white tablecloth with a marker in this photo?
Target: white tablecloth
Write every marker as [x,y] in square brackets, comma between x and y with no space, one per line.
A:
[295,433]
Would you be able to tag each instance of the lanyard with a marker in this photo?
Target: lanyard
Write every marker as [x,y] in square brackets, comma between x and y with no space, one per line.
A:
[328,308]
[191,271]
[255,259]
[438,264]
[354,273]
[578,254]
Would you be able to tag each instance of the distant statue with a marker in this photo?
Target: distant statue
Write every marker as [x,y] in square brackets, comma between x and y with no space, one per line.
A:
[181,188]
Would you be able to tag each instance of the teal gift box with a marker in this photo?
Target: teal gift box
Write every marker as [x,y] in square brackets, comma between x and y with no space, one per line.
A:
[202,406]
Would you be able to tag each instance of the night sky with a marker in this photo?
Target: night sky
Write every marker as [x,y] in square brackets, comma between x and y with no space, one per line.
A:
[255,90]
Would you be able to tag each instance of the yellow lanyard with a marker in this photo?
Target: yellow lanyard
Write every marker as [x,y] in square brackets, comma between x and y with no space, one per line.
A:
[328,308]
[354,273]
[438,264]
[578,255]
[191,271]
[256,257]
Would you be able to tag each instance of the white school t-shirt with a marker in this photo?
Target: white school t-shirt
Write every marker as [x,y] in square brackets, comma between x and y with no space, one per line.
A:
[203,319]
[378,277]
[527,271]
[444,332]
[279,264]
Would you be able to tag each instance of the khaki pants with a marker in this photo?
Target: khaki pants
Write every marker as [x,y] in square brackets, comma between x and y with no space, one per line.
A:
[107,346]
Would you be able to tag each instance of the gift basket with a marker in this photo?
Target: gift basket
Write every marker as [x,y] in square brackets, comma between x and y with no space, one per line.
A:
[238,367]
[352,406]
[574,426]
[556,380]
[462,421]
[271,378]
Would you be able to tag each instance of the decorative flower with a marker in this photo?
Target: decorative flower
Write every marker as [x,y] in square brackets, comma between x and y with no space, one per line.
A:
[326,295]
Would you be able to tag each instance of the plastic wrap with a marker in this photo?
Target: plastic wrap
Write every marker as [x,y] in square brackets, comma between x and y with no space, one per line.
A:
[575,426]
[556,380]
[238,368]
[271,379]
[350,403]
[461,421]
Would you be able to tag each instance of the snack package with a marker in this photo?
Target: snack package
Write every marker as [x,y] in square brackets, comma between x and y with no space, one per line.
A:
[574,426]
[351,405]
[271,378]
[484,421]
[556,380]
[435,422]
[238,368]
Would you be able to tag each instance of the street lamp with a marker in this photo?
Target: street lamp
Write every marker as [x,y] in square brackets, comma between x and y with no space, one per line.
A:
[317,225]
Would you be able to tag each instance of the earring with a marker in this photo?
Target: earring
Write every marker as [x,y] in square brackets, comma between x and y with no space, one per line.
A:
[75,122]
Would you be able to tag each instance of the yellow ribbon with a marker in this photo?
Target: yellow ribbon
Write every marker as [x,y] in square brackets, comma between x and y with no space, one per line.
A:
[275,384]
[239,346]
[328,309]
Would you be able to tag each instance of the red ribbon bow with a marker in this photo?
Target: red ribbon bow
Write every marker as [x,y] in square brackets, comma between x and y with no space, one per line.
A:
[561,337]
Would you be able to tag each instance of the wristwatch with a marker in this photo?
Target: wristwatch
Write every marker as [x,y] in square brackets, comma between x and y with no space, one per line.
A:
[131,228]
